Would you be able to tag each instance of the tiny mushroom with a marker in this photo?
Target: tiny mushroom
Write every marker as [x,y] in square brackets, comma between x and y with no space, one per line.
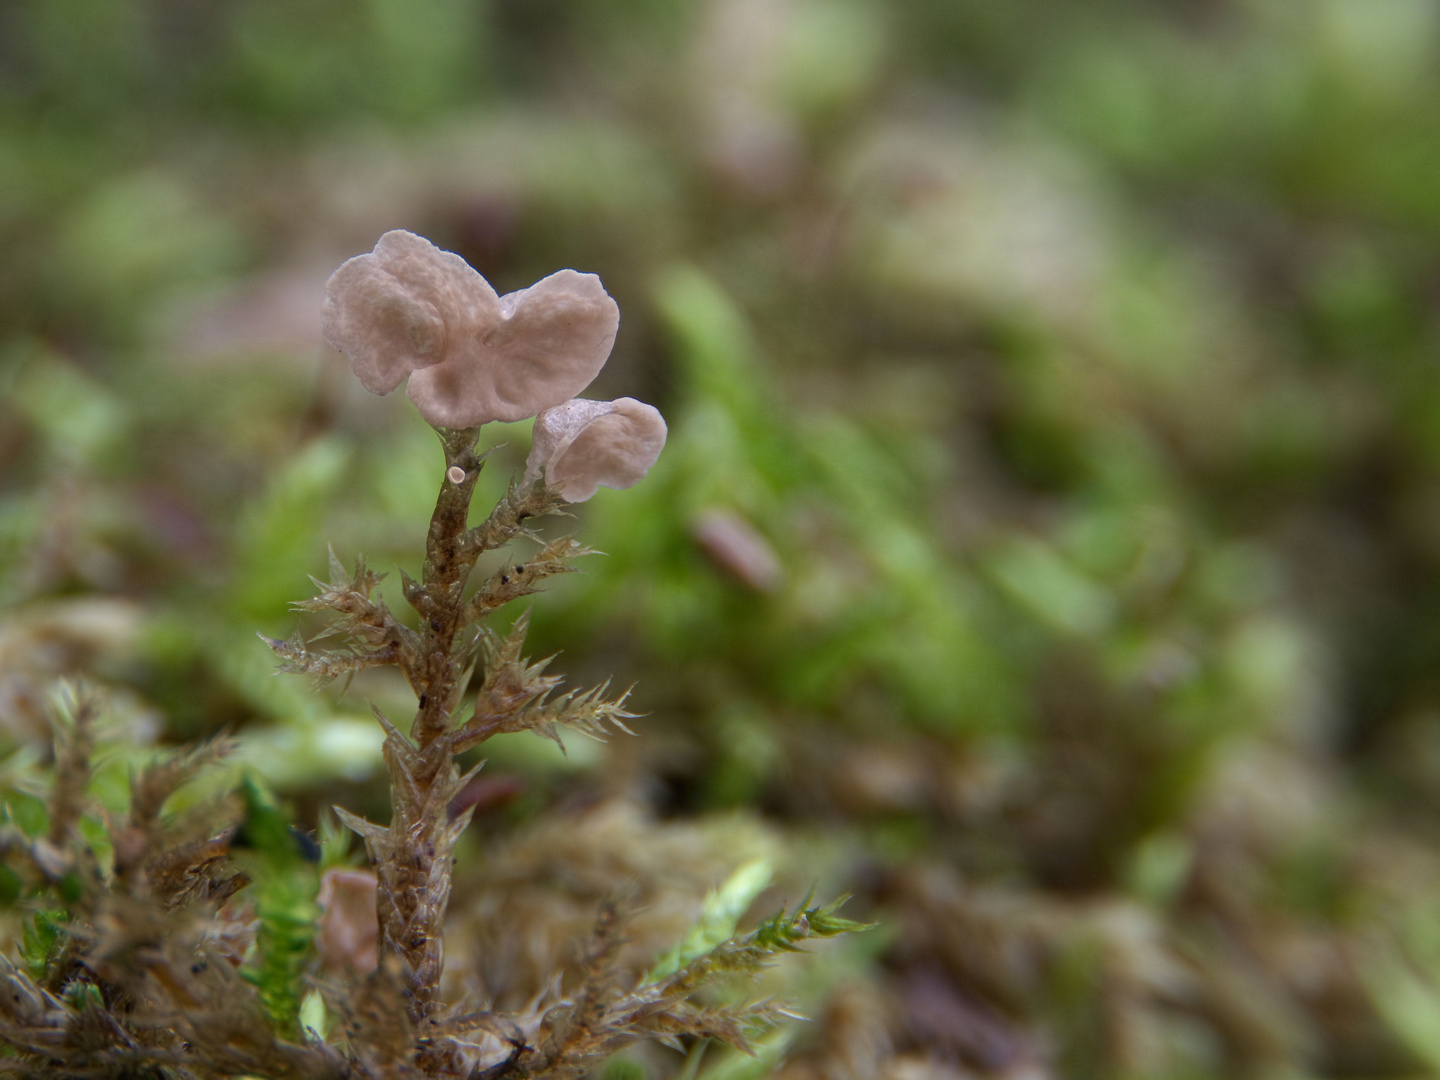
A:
[472,356]
[584,444]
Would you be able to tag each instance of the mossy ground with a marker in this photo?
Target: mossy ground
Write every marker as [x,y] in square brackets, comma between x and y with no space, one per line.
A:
[1075,361]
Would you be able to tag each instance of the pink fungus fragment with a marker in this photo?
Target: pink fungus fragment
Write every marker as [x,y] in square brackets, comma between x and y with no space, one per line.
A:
[348,928]
[583,445]
[737,547]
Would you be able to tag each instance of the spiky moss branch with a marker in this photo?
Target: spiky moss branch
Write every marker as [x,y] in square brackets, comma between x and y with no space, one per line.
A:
[120,980]
[576,1035]
[287,913]
[285,906]
[51,860]
[378,637]
[395,1013]
[741,955]
[411,858]
[412,855]
[72,731]
[514,696]
[440,597]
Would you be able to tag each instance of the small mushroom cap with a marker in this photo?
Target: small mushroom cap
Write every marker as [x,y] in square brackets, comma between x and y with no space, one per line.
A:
[545,344]
[583,445]
[392,311]
[408,308]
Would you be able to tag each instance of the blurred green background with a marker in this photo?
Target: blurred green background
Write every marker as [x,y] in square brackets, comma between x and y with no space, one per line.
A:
[1046,547]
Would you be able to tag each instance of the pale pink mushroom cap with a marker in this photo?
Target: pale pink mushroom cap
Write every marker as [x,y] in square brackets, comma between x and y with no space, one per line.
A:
[408,308]
[583,445]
